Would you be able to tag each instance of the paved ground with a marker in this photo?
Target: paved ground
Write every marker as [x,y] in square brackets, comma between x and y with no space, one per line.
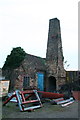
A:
[47,111]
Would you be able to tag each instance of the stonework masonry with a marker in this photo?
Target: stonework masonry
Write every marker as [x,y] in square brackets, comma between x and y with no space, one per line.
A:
[54,55]
[35,71]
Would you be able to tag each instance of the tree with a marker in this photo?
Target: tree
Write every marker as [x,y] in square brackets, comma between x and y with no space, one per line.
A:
[15,58]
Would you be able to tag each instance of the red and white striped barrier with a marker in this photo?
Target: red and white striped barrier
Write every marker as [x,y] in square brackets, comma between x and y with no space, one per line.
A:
[62,102]
[19,97]
[63,105]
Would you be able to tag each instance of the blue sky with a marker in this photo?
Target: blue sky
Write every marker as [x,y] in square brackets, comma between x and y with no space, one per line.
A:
[25,23]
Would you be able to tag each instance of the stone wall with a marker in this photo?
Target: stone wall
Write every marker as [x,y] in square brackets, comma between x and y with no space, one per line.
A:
[51,66]
[29,67]
[54,55]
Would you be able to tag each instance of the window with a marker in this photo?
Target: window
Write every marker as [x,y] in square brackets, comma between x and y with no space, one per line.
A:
[26,81]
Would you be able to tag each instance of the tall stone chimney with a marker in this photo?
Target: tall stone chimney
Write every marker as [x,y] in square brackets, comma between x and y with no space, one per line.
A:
[54,54]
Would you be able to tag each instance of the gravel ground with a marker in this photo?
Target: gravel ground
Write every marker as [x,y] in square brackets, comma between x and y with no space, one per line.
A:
[47,111]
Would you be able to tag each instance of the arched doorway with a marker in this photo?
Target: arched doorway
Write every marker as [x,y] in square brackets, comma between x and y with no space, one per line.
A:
[51,84]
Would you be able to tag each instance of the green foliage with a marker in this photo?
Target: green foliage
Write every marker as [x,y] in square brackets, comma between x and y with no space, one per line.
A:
[15,58]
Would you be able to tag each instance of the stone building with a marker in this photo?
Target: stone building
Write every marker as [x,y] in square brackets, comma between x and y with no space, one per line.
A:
[46,74]
[54,56]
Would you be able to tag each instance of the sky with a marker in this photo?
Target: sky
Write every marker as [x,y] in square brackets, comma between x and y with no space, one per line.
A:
[25,23]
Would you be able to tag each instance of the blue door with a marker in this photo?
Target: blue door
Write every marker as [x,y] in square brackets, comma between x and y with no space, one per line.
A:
[40,80]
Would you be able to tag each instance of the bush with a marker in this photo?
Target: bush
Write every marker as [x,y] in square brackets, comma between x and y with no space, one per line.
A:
[15,58]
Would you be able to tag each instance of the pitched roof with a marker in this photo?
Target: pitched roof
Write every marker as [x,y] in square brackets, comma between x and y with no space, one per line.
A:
[35,61]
